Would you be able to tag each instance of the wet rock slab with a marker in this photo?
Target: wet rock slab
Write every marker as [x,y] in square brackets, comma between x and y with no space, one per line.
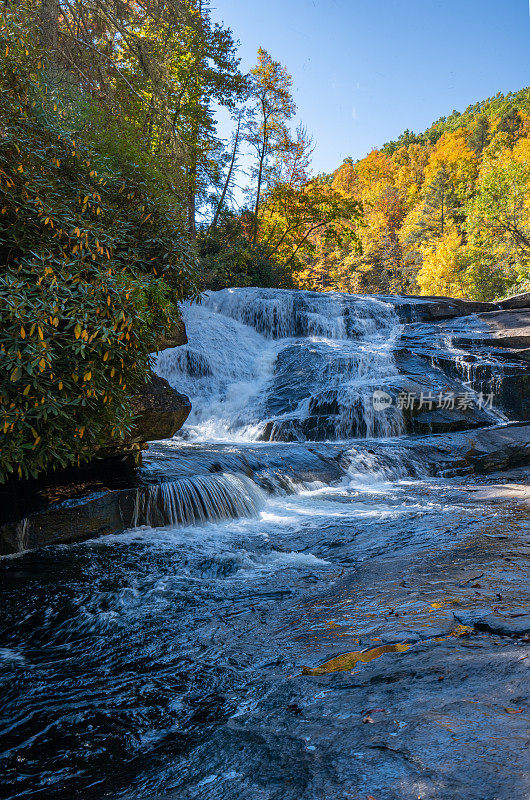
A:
[161,667]
[487,350]
[113,508]
[506,328]
[462,349]
[272,467]
[444,718]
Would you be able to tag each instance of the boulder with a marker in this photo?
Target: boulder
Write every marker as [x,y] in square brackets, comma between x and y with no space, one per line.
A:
[175,338]
[161,411]
[517,301]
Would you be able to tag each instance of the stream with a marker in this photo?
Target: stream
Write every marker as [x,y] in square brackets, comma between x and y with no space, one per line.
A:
[280,630]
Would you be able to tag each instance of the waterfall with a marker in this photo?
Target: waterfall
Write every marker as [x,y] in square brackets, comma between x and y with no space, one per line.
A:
[198,499]
[281,365]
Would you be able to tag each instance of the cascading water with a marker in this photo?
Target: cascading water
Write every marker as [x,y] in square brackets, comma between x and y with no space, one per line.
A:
[195,500]
[271,365]
[285,365]
[288,523]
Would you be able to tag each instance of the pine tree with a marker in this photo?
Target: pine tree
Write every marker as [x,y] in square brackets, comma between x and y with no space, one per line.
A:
[480,134]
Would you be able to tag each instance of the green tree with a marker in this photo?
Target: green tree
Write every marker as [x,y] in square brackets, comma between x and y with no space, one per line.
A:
[94,262]
[480,134]
[437,209]
[498,217]
[166,68]
[228,257]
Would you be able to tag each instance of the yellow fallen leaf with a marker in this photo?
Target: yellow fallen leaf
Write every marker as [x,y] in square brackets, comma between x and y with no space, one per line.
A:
[462,630]
[348,661]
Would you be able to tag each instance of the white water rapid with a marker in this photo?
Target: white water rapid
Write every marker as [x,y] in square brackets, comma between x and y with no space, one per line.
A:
[275,364]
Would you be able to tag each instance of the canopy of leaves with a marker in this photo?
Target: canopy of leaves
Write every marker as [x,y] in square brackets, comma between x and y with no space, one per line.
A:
[94,261]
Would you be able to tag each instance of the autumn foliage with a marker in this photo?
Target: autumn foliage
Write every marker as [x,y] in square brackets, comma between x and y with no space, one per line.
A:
[443,212]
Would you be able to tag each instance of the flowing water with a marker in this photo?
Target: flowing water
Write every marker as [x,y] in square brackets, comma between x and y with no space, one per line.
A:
[281,364]
[163,662]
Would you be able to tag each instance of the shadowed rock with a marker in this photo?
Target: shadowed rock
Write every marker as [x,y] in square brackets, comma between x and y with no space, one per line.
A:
[517,301]
[175,338]
[161,411]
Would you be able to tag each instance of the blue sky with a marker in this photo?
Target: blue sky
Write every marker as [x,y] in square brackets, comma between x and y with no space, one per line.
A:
[364,70]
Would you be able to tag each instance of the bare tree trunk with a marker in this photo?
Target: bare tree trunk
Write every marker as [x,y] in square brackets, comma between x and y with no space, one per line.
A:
[220,204]
[49,24]
[191,197]
[260,179]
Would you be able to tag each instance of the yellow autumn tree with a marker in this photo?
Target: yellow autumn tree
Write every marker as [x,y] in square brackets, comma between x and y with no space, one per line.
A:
[441,271]
[447,210]
[410,163]
[453,155]
[345,178]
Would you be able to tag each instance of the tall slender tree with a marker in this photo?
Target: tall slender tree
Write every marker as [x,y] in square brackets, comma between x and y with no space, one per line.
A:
[164,66]
[229,174]
[267,131]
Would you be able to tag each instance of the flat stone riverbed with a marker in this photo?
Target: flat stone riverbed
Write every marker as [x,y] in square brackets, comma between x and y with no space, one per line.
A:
[221,660]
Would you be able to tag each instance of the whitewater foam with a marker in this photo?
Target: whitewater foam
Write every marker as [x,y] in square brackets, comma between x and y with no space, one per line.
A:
[281,365]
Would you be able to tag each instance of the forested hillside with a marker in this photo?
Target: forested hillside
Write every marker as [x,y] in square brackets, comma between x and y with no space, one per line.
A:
[443,212]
